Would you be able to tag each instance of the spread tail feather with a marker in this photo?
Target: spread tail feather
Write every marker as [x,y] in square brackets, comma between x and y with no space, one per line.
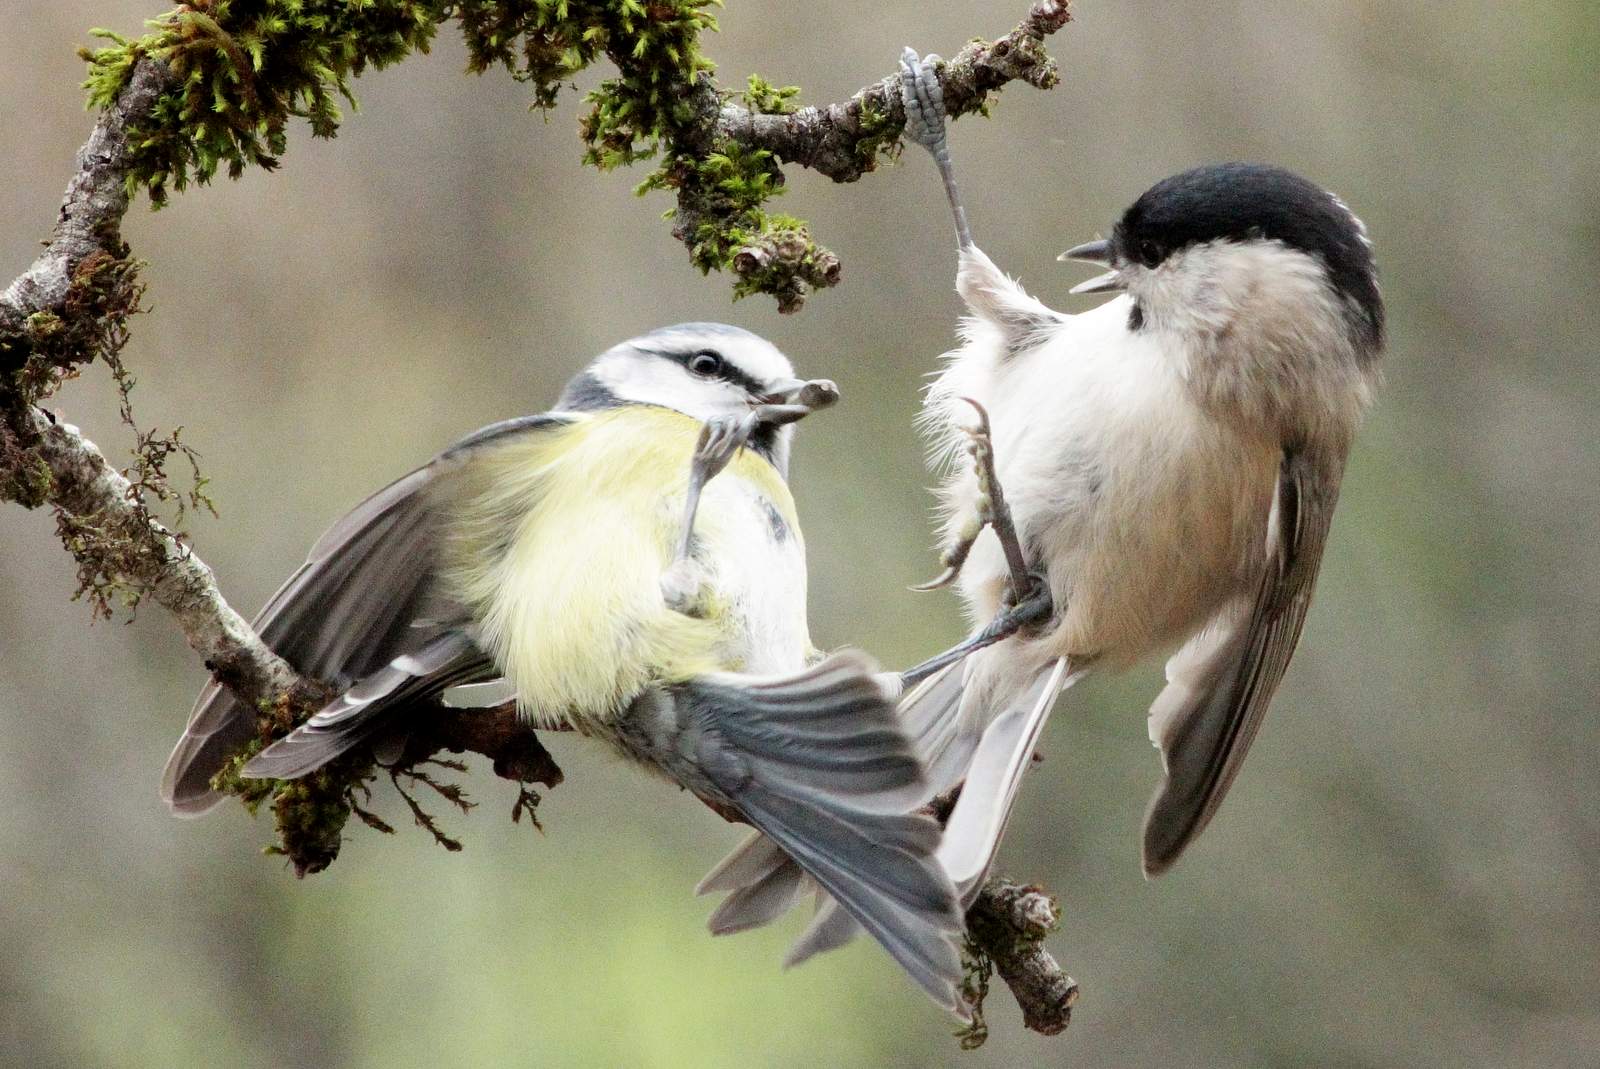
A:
[817,763]
[759,903]
[929,714]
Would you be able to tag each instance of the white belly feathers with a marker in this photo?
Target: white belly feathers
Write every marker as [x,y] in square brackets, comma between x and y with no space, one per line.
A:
[1125,486]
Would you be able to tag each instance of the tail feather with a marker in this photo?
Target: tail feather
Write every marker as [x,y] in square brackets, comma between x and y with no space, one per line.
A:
[829,930]
[972,834]
[750,861]
[759,903]
[929,715]
[817,764]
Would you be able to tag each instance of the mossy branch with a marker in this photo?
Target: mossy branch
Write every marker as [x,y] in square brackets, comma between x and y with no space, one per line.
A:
[237,73]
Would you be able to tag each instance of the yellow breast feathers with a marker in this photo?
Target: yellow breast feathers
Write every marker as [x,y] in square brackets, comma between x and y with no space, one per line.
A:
[556,541]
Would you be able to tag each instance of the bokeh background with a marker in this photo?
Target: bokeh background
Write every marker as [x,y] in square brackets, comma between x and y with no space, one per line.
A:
[1408,874]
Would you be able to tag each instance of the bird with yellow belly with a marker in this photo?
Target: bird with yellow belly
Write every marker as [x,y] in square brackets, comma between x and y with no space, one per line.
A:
[631,564]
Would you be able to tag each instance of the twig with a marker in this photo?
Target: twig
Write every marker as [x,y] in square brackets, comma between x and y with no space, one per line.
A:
[92,210]
[838,139]
[85,487]
[1008,924]
[1006,927]
[843,141]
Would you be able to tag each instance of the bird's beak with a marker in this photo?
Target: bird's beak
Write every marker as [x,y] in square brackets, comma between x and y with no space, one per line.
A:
[798,398]
[1095,252]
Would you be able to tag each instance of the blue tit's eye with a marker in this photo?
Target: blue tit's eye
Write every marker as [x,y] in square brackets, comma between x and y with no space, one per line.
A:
[705,363]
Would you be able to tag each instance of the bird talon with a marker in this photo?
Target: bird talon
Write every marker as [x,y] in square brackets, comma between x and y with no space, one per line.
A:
[940,581]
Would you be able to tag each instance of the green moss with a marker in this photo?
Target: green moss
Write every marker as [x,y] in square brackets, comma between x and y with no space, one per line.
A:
[768,99]
[977,969]
[880,136]
[244,68]
[252,792]
[102,294]
[24,477]
[311,813]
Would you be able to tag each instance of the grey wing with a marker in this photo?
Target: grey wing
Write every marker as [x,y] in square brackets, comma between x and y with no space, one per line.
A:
[361,614]
[1220,684]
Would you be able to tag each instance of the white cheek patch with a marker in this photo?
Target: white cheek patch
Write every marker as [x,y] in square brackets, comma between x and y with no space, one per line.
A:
[645,378]
[1210,288]
[1247,321]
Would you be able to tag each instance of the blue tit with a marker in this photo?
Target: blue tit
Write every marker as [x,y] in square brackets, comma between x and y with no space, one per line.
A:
[631,564]
[1161,476]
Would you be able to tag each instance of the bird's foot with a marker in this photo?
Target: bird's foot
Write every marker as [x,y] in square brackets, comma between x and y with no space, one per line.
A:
[992,507]
[683,587]
[989,509]
[720,440]
[923,97]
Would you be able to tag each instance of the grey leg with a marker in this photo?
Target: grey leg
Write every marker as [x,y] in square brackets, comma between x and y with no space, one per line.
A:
[925,124]
[990,509]
[1030,600]
[1036,609]
[720,440]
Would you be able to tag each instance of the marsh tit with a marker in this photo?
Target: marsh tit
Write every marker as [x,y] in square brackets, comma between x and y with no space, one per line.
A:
[1157,473]
[631,564]
[1162,473]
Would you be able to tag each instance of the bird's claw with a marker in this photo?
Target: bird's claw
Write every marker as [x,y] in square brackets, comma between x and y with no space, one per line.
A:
[923,97]
[1036,607]
[720,439]
[989,509]
[940,581]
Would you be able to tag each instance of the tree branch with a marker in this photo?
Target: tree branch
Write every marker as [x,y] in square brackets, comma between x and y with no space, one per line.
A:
[114,529]
[843,141]
[92,210]
[1008,924]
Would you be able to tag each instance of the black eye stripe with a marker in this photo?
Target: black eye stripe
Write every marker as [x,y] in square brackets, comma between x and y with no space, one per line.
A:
[728,373]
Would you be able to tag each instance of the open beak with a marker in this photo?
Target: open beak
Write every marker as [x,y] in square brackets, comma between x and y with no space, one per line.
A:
[794,399]
[1095,252]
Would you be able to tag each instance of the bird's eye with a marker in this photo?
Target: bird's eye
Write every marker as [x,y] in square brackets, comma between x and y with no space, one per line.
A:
[705,363]
[1149,253]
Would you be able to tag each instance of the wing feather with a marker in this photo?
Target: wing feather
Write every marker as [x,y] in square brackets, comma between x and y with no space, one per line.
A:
[1220,685]
[363,598]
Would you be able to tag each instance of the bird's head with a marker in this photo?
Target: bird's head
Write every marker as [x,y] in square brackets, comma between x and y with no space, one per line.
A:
[1247,252]
[703,370]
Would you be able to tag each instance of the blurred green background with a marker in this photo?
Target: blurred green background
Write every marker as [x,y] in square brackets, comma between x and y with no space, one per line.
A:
[1408,873]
